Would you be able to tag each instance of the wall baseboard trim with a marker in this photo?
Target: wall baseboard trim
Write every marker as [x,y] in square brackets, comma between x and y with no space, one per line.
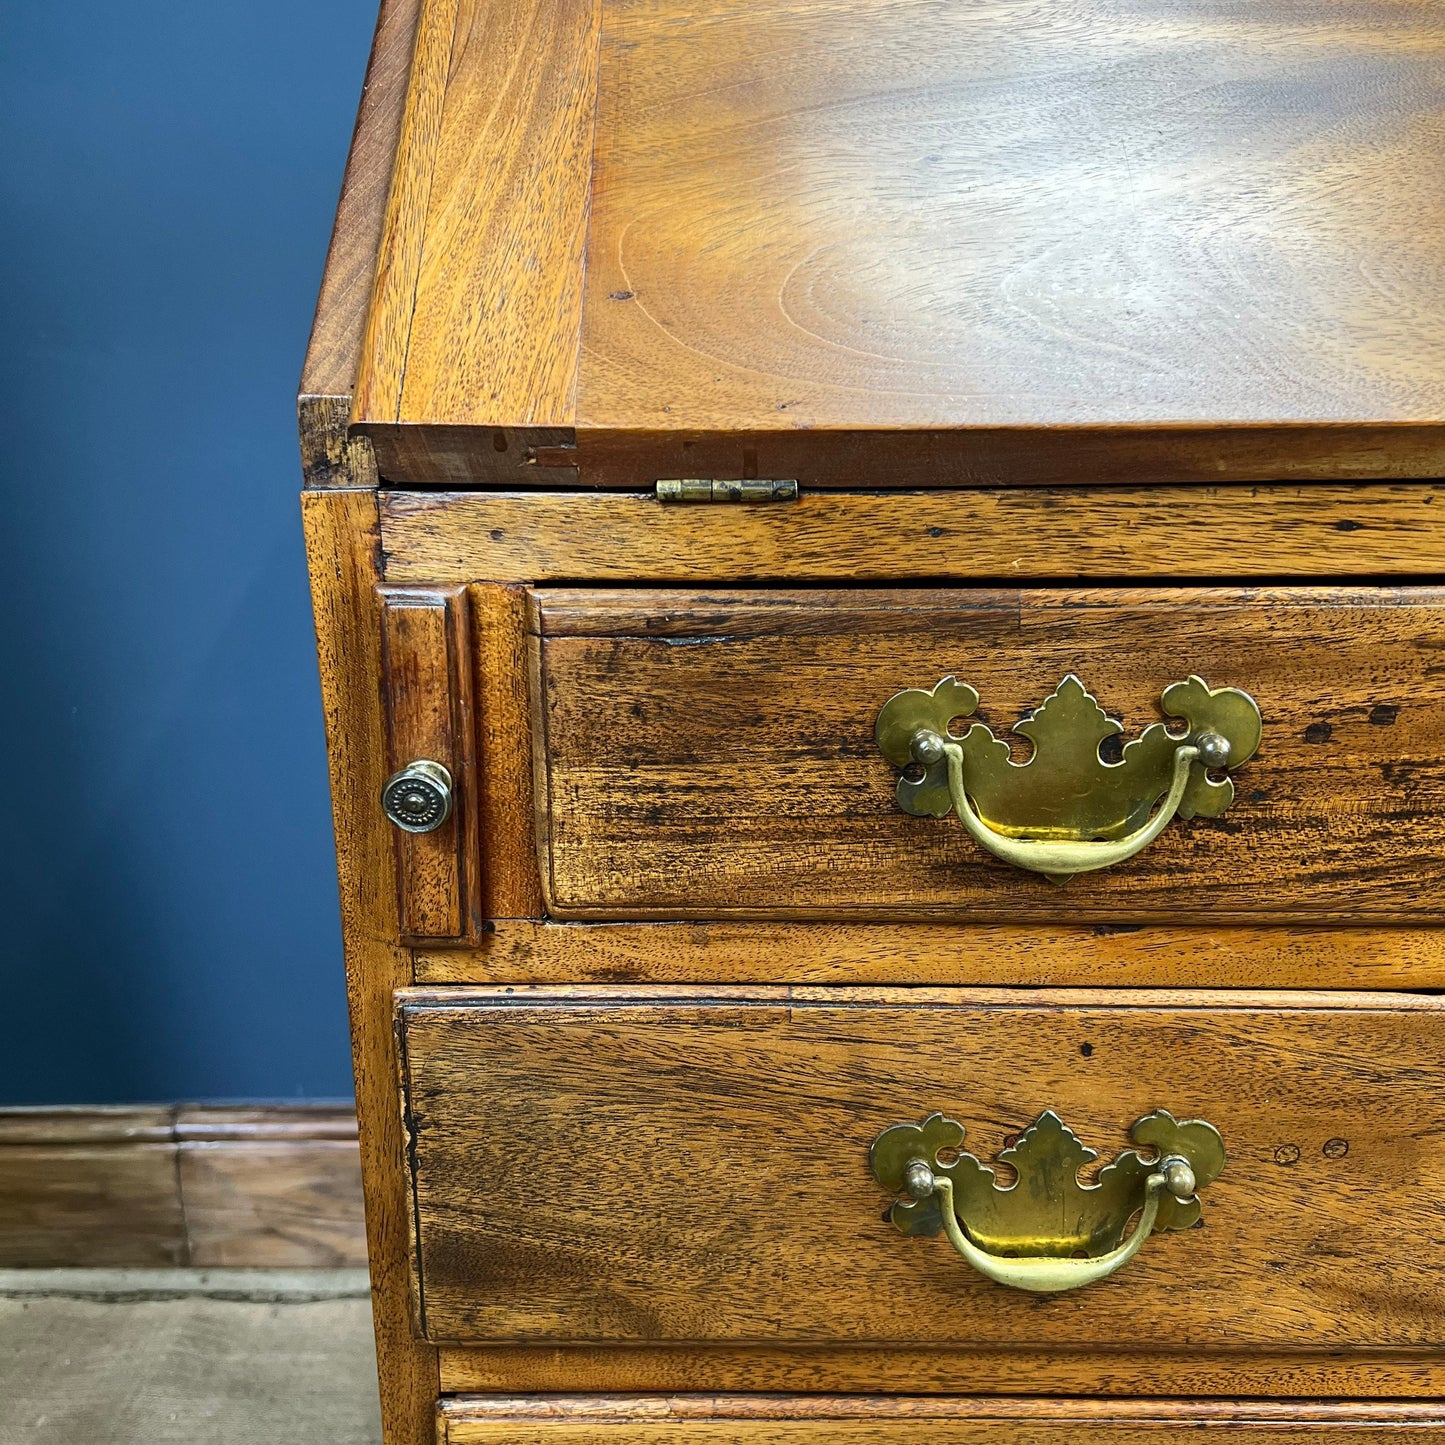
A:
[253,1187]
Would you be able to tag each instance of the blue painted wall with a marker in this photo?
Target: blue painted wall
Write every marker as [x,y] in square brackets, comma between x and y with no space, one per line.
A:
[167,903]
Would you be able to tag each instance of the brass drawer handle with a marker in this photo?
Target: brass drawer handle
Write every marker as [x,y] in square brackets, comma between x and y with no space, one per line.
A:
[1046,1232]
[1066,810]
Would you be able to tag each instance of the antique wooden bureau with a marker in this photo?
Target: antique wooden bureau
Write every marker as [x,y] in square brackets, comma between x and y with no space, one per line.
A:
[877,580]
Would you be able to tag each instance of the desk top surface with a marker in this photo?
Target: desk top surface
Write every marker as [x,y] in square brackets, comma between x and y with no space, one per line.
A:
[908,241]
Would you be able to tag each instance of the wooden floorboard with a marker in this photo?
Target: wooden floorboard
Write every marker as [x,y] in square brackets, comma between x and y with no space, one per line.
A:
[264,1187]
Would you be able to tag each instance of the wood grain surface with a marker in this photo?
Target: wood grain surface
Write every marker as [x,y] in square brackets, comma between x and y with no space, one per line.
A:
[511,882]
[850,537]
[664,1168]
[964,457]
[712,754]
[479,293]
[382,361]
[865,1420]
[89,1187]
[329,456]
[342,541]
[331,354]
[428,678]
[824,221]
[1177,270]
[1118,1373]
[531,951]
[904,243]
[272,1187]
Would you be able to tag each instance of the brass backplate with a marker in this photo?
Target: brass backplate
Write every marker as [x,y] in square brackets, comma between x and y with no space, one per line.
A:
[1045,1212]
[1065,790]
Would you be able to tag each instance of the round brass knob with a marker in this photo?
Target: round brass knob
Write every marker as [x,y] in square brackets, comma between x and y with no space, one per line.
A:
[419,797]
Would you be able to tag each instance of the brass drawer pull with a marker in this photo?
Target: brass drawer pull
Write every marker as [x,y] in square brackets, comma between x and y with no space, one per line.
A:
[418,799]
[1046,1232]
[1066,810]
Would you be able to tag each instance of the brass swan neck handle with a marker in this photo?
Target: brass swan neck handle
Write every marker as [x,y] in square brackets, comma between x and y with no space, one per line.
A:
[1066,810]
[1043,1274]
[1061,859]
[1046,1232]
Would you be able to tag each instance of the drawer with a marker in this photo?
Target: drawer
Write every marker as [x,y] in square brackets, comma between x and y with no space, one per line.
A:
[704,755]
[664,1168]
[855,1420]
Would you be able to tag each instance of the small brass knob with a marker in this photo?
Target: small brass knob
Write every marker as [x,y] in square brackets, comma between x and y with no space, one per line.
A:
[419,797]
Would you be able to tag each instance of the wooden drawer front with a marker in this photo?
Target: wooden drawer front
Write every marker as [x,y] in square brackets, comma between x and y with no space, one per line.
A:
[663,1168]
[712,756]
[861,1420]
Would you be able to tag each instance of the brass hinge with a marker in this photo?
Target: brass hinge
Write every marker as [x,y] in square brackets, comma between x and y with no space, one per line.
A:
[701,489]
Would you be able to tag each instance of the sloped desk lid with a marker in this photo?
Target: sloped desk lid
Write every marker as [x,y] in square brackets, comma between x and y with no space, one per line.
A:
[914,242]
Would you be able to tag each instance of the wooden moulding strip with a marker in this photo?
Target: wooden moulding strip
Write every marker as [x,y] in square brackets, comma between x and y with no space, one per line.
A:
[609,1408]
[595,998]
[511,883]
[1307,531]
[206,1186]
[527,952]
[611,1368]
